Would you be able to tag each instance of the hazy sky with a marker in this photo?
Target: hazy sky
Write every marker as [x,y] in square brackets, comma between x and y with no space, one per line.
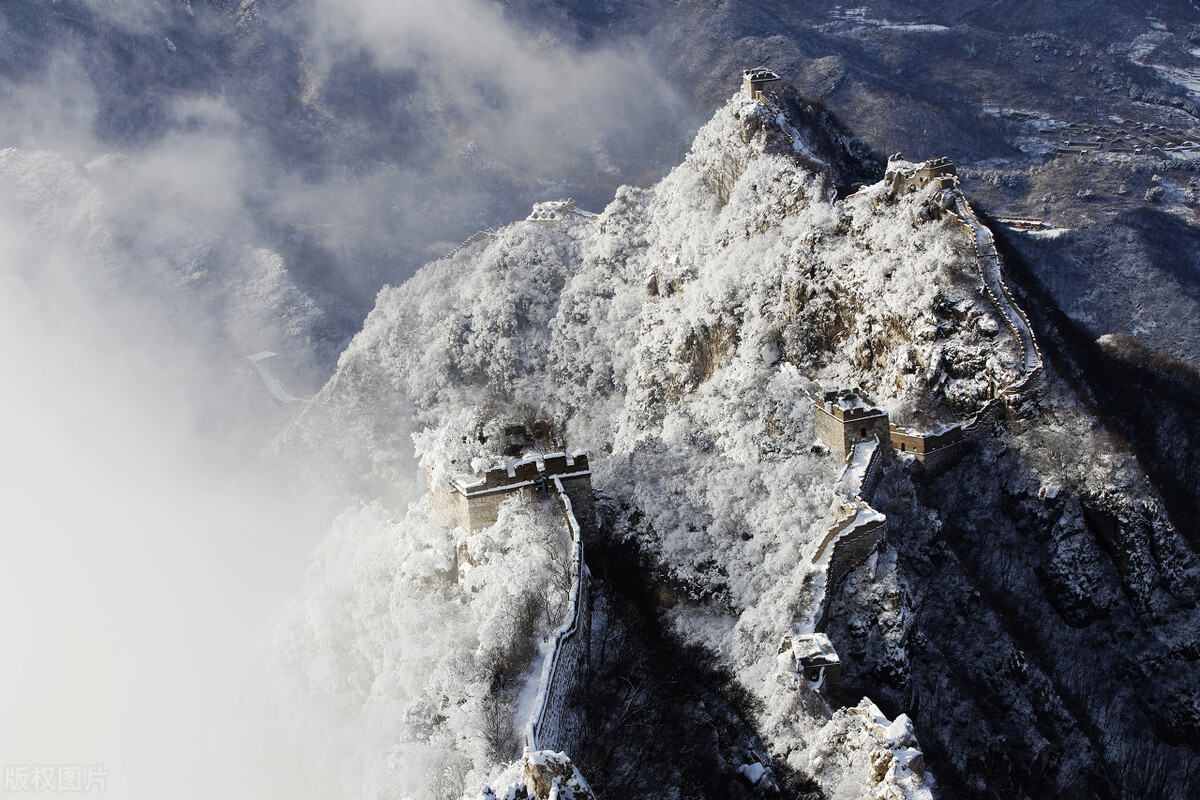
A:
[141,568]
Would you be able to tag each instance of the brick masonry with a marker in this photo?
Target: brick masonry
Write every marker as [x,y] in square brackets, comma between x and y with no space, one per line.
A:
[474,500]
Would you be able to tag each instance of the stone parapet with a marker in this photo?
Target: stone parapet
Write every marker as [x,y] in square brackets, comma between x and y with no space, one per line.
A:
[474,500]
[854,536]
[845,417]
[550,724]
[937,451]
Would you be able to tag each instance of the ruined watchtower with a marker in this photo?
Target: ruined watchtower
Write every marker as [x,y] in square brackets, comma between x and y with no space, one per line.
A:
[845,417]
[474,500]
[756,82]
[903,177]
[812,657]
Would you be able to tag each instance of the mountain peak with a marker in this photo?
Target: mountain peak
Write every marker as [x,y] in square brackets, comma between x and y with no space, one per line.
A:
[685,337]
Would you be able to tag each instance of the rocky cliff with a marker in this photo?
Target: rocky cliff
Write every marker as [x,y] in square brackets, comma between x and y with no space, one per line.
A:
[678,334]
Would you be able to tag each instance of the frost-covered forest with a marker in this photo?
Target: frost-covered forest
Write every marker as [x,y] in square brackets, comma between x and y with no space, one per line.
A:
[677,335]
[200,202]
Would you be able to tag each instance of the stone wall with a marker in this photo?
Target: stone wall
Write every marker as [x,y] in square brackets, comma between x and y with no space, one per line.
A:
[984,423]
[874,471]
[474,500]
[864,430]
[834,532]
[756,82]
[853,547]
[487,235]
[553,211]
[441,497]
[938,461]
[829,430]
[578,489]
[812,658]
[903,177]
[851,540]
[936,452]
[552,725]
[523,471]
[943,451]
[907,441]
[479,511]
[840,435]
[921,444]
[997,290]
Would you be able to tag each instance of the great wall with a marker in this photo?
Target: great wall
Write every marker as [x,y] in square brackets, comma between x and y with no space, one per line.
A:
[544,213]
[845,421]
[849,425]
[473,501]
[549,726]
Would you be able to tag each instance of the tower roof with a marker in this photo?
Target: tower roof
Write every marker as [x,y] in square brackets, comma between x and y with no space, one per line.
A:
[759,74]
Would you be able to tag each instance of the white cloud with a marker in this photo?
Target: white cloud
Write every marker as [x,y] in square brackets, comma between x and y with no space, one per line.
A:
[534,100]
[142,566]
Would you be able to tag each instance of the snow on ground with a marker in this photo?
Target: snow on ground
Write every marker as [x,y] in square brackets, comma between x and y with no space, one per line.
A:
[854,22]
[851,480]
[677,336]
[1147,43]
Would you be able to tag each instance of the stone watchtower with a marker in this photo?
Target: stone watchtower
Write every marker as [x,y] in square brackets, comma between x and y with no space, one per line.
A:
[903,177]
[812,658]
[845,417]
[474,500]
[758,81]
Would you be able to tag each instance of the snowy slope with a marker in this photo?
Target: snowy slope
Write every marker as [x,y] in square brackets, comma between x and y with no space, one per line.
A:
[678,332]
[677,335]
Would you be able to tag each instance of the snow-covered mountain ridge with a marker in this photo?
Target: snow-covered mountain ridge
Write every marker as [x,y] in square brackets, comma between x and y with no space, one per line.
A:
[678,335]
[741,242]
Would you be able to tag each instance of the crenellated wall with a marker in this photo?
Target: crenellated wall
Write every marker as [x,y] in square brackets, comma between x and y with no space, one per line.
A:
[551,725]
[845,418]
[479,236]
[998,292]
[564,479]
[852,549]
[874,471]
[983,424]
[857,533]
[474,500]
[935,452]
[938,451]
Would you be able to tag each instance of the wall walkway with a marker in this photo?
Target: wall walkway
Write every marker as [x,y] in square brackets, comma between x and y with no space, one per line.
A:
[995,287]
[859,528]
[550,726]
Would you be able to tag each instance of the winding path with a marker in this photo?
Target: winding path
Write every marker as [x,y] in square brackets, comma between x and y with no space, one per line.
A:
[272,383]
[994,286]
[547,728]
